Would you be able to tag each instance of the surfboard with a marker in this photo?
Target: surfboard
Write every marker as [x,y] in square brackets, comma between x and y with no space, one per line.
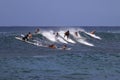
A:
[19,38]
[65,49]
[78,36]
[61,40]
[93,35]
[50,36]
[38,44]
[80,39]
[60,48]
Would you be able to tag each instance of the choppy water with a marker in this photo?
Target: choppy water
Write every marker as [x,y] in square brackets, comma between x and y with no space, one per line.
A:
[22,61]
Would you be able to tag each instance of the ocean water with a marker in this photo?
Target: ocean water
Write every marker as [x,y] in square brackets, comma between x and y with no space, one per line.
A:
[23,61]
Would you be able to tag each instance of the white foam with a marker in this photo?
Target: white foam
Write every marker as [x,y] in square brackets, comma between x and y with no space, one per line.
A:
[49,35]
[61,40]
[61,33]
[80,39]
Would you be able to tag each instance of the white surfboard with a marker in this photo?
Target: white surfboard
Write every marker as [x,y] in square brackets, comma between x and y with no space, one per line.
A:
[78,36]
[93,35]
[19,38]
[64,49]
[39,44]
[50,36]
[61,40]
[80,39]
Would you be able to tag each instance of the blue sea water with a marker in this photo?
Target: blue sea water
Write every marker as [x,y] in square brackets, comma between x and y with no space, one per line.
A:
[23,61]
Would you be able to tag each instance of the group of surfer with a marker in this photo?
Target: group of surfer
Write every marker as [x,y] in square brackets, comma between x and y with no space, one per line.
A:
[53,46]
[66,34]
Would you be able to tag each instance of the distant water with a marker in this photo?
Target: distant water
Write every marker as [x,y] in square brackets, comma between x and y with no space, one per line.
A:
[23,61]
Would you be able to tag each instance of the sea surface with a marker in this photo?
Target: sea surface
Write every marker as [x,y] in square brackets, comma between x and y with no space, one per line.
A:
[22,61]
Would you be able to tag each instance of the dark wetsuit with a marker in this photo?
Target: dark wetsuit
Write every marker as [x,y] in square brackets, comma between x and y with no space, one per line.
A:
[25,37]
[67,34]
[56,35]
[76,33]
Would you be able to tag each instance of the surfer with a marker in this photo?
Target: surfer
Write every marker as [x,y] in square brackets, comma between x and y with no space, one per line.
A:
[27,37]
[37,30]
[76,33]
[57,34]
[93,32]
[67,34]
[64,47]
[52,46]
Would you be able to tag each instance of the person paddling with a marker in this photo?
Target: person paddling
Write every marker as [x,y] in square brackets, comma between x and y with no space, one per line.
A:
[52,46]
[64,47]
